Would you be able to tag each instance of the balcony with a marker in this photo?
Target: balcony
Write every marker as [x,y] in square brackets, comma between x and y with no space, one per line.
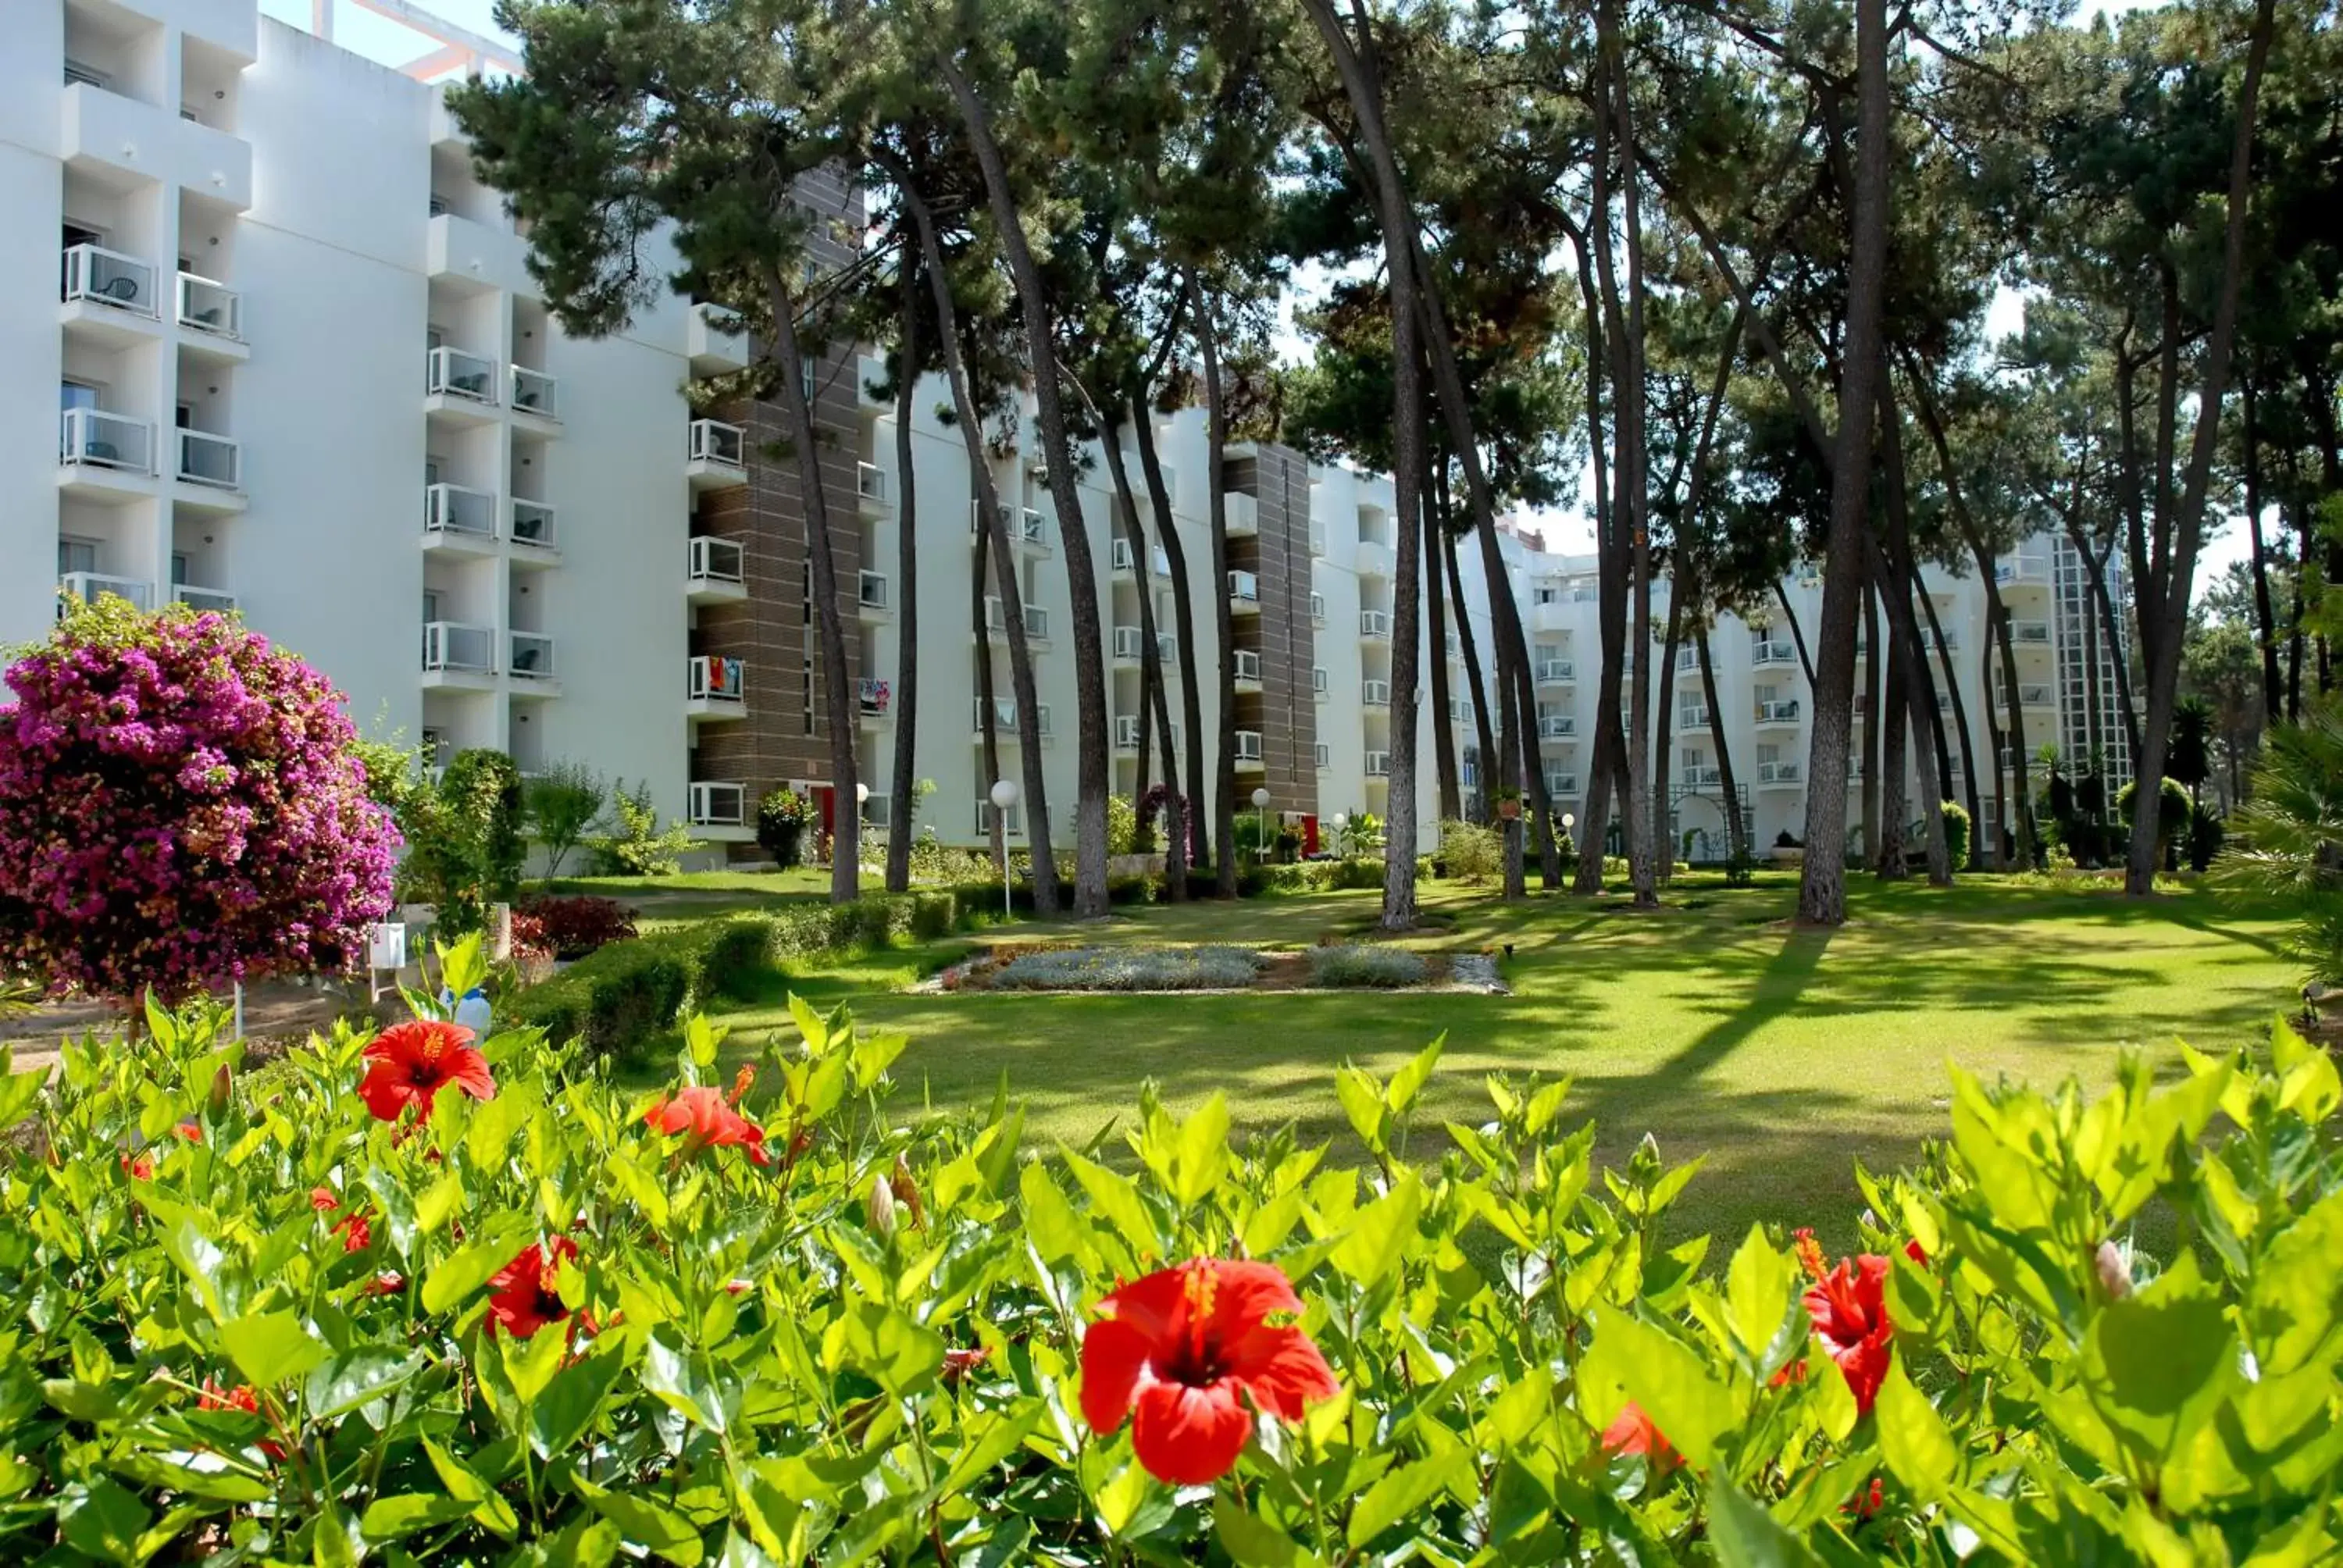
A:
[459,384]
[1323,754]
[1556,672]
[2012,572]
[871,488]
[1032,531]
[1780,711]
[456,653]
[1773,651]
[1129,644]
[1319,685]
[1167,653]
[532,533]
[714,341]
[1372,559]
[1557,727]
[871,697]
[1692,718]
[1375,625]
[1318,609]
[1773,774]
[1247,669]
[1245,593]
[976,518]
[1375,693]
[1243,515]
[1705,776]
[1378,765]
[1127,728]
[119,141]
[1317,540]
[715,689]
[871,594]
[215,462]
[2036,697]
[1552,615]
[1560,784]
[90,587]
[718,806]
[203,600]
[1249,756]
[106,454]
[101,283]
[2033,634]
[714,454]
[459,520]
[215,311]
[715,571]
[535,392]
[474,256]
[1004,719]
[531,658]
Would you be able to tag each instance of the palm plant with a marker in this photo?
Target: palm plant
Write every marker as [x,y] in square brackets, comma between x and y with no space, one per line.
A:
[2289,837]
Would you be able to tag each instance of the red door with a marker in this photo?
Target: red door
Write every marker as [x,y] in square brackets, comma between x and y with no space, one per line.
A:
[1310,835]
[828,799]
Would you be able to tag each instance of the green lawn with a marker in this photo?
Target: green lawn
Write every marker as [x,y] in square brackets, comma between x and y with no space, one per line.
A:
[701,895]
[1783,1055]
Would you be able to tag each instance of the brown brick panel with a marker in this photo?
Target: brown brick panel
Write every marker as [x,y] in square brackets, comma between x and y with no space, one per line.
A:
[1286,710]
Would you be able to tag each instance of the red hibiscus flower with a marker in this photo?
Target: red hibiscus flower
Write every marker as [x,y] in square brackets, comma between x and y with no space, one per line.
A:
[527,1290]
[1866,1504]
[241,1397]
[1181,1346]
[707,1122]
[1849,1308]
[358,1233]
[1633,1432]
[960,1364]
[410,1063]
[139,1167]
[191,1130]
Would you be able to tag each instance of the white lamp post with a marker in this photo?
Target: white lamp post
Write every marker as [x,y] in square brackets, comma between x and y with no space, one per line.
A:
[861,822]
[1341,823]
[1261,818]
[1004,796]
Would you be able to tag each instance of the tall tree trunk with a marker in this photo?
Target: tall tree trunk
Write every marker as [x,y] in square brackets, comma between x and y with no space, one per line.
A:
[1797,632]
[1952,689]
[1736,829]
[1895,731]
[2265,620]
[1091,773]
[1434,523]
[1509,747]
[986,703]
[1891,564]
[1822,883]
[903,786]
[1154,705]
[1004,566]
[1216,530]
[1611,611]
[1665,840]
[1468,645]
[1184,610]
[1868,711]
[1357,63]
[845,868]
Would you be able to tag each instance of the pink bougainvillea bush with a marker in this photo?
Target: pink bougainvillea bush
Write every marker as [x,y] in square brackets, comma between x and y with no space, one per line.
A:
[180,806]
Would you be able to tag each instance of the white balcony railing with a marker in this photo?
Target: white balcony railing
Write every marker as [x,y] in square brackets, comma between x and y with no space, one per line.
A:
[1166,650]
[535,392]
[1780,772]
[718,805]
[713,677]
[1244,586]
[208,306]
[532,524]
[217,601]
[1130,642]
[89,586]
[209,459]
[1030,528]
[1775,651]
[1560,784]
[451,372]
[1037,623]
[1318,608]
[714,441]
[532,657]
[1318,679]
[1004,716]
[1692,718]
[106,441]
[103,276]
[714,560]
[454,509]
[1782,710]
[1325,755]
[2030,633]
[870,481]
[1247,663]
[1708,774]
[871,697]
[450,645]
[2036,697]
[976,517]
[1248,745]
[1555,671]
[871,590]
[1118,555]
[1375,623]
[1127,726]
[1378,765]
[1375,693]
[2021,568]
[1557,726]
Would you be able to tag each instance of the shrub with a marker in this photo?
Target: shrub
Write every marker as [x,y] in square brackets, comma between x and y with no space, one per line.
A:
[1956,832]
[942,863]
[1380,968]
[465,848]
[1473,852]
[782,817]
[2206,829]
[294,1322]
[563,803]
[2171,813]
[1130,969]
[181,804]
[1121,825]
[571,928]
[637,846]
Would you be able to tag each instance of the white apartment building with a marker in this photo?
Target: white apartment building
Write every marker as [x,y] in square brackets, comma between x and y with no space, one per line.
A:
[302,372]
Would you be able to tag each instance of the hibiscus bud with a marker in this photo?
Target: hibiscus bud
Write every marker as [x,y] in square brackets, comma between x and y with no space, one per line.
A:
[907,1192]
[883,1208]
[221,1084]
[741,1082]
[2114,1273]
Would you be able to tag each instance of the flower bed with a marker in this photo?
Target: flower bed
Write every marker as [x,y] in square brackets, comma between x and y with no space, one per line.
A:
[1128,968]
[1032,968]
[1376,968]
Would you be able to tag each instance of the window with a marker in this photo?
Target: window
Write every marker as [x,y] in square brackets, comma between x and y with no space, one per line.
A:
[81,233]
[1769,755]
[86,75]
[178,569]
[76,555]
[72,395]
[1694,757]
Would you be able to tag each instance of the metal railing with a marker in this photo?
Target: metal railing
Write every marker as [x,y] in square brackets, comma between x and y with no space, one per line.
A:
[209,459]
[870,591]
[2036,697]
[2031,633]
[453,373]
[1130,642]
[1030,528]
[871,696]
[1318,679]
[713,677]
[1557,670]
[1323,754]
[217,601]
[104,276]
[455,645]
[532,656]
[1317,540]
[1374,623]
[208,306]
[718,805]
[1126,731]
[532,524]
[1704,775]
[1561,784]
[89,586]
[454,509]
[717,560]
[1247,663]
[1780,772]
[714,441]
[1244,586]
[106,441]
[1692,718]
[869,481]
[1318,608]
[1557,726]
[1248,745]
[1378,765]
[1782,710]
[2021,568]
[1375,693]
[1773,651]
[535,392]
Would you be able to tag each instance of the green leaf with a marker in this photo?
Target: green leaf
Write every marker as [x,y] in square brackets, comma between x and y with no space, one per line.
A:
[1201,1153]
[1746,1536]
[1689,1406]
[680,1377]
[1401,1492]
[1381,1233]
[1252,1542]
[643,1522]
[103,1519]
[1056,1231]
[456,1276]
[440,1200]
[1363,1102]
[810,1025]
[18,1089]
[1115,1198]
[395,1518]
[901,1354]
[561,1414]
[488,1507]
[1408,1083]
[1761,1300]
[1120,1499]
[1917,1443]
[357,1376]
[2158,1363]
[531,1363]
[270,1348]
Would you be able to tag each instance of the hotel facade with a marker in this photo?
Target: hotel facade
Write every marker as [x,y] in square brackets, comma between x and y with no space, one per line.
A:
[302,372]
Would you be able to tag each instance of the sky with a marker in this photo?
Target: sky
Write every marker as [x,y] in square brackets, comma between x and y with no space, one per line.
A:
[1566,529]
